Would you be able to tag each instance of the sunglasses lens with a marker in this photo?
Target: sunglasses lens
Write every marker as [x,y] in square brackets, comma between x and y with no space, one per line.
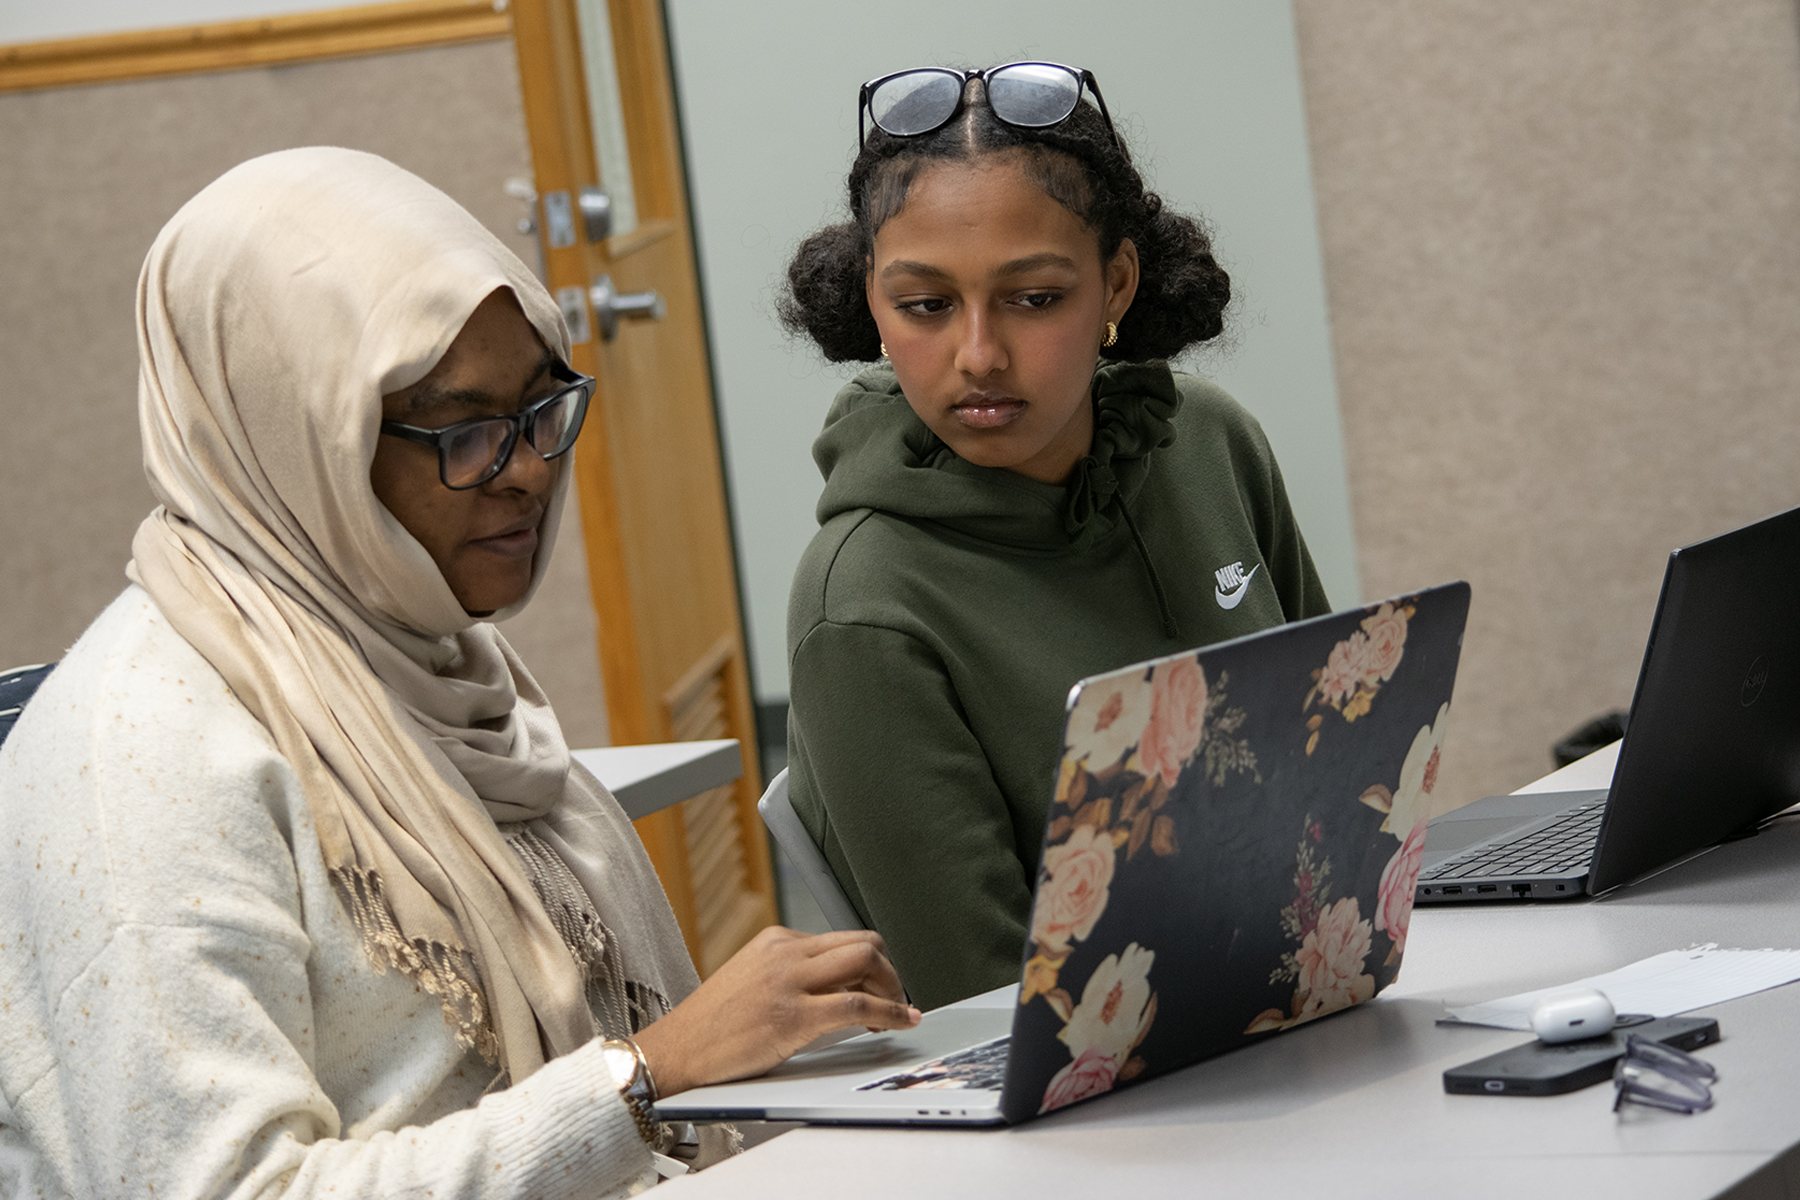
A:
[1034,95]
[916,102]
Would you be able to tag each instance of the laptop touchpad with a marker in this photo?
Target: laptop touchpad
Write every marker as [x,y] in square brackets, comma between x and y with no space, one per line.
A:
[1447,837]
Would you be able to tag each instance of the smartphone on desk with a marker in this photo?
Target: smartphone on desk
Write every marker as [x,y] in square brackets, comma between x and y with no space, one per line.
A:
[1540,1069]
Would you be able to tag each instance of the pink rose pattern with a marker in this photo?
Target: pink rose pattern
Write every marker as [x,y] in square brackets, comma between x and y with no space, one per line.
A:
[1399,879]
[1080,871]
[1357,667]
[1118,806]
[1344,669]
[1090,1075]
[1331,960]
[1384,640]
[1334,943]
[1177,719]
[1334,939]
[1108,801]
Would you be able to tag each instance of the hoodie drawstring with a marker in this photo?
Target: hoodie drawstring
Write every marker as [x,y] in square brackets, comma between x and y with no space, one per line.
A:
[1170,629]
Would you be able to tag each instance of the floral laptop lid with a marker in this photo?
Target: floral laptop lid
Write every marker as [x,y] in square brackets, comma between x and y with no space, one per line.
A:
[1233,845]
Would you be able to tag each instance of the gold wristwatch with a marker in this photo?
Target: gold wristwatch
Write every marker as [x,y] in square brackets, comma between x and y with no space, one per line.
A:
[631,1071]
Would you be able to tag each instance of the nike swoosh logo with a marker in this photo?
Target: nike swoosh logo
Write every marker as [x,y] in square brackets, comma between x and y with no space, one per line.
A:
[1235,597]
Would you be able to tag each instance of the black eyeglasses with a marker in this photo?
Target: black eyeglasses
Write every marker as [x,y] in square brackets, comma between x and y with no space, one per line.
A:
[474,451]
[1028,95]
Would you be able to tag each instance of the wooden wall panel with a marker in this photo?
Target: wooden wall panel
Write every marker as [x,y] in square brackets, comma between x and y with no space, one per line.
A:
[1564,282]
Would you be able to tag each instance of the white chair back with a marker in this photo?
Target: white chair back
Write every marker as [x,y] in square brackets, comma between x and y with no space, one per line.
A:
[804,853]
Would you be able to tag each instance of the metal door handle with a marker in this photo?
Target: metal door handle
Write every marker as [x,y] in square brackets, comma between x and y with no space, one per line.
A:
[610,305]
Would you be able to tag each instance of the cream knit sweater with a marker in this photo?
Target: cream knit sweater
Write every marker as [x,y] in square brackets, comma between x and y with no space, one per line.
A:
[186,1010]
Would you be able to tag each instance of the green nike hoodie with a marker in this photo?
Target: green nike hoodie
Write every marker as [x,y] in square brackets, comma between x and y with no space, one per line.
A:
[943,611]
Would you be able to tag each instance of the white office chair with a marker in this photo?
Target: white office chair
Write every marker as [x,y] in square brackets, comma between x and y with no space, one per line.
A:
[804,853]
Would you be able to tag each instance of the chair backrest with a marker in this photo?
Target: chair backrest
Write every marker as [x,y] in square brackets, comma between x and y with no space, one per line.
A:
[804,853]
[16,687]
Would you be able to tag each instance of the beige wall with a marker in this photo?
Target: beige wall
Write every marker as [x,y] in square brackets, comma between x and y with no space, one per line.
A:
[1562,249]
[87,177]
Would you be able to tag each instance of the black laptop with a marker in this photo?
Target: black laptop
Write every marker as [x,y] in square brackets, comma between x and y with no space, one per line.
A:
[1712,748]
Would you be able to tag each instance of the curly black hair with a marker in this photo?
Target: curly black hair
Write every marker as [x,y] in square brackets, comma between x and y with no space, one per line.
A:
[1182,290]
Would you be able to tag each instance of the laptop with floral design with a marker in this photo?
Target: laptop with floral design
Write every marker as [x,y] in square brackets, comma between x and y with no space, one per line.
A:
[1231,851]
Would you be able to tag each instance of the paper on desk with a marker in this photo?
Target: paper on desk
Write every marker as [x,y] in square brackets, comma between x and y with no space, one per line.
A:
[1662,985]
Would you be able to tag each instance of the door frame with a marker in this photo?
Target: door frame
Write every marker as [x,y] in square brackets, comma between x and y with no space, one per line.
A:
[644,704]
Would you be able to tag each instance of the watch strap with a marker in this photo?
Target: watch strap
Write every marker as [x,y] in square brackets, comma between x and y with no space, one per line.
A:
[639,1091]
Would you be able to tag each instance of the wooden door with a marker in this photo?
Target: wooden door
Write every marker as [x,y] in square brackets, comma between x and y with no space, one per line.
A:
[648,466]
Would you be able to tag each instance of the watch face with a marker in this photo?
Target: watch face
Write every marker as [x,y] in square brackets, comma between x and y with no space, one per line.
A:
[622,1063]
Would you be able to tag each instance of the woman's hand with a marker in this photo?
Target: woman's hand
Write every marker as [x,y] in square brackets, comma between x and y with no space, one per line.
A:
[778,993]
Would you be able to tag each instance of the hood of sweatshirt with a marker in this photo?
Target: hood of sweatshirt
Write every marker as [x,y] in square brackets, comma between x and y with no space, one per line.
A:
[875,453]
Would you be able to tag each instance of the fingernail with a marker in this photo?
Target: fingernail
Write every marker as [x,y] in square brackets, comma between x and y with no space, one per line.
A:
[914,1015]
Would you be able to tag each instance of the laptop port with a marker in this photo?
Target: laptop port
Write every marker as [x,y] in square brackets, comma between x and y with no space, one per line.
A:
[1454,889]
[1560,888]
[1485,888]
[1521,889]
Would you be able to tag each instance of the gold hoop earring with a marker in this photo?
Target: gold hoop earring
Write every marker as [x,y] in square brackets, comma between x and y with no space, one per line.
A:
[884,352]
[1112,334]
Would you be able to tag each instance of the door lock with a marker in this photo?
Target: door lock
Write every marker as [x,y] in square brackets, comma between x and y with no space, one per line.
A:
[596,213]
[610,305]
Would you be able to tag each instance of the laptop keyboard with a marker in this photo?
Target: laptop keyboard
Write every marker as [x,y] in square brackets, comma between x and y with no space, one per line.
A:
[979,1068]
[1563,846]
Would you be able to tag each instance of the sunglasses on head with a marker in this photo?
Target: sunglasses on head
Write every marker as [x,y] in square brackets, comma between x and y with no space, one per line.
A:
[1026,95]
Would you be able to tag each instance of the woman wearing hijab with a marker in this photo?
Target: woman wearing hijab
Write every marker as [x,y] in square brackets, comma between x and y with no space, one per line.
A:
[301,892]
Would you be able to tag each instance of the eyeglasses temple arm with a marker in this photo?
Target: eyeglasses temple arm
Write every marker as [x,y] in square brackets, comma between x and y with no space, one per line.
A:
[1093,85]
[410,433]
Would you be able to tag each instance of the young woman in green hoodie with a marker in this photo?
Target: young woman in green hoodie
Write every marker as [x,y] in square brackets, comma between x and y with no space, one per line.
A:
[1019,494]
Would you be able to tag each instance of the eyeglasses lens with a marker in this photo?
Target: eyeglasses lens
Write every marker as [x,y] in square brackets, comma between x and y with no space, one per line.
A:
[1643,1084]
[555,426]
[916,102]
[469,456]
[1669,1059]
[1034,95]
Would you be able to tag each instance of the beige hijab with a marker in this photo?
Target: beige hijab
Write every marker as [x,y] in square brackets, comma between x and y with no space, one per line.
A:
[274,311]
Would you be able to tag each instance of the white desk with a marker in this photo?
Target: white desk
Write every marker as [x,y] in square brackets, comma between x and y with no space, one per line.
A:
[645,779]
[1354,1105]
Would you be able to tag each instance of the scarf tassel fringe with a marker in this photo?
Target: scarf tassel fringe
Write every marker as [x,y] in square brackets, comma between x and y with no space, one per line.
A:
[445,971]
